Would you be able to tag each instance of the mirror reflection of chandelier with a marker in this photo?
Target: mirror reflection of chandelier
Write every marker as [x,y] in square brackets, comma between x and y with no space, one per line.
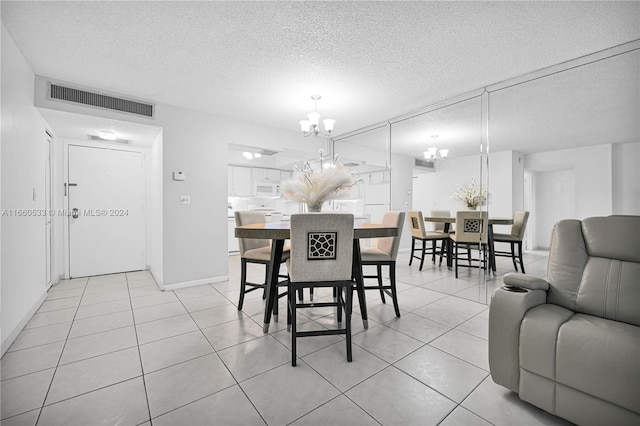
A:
[434,153]
[311,126]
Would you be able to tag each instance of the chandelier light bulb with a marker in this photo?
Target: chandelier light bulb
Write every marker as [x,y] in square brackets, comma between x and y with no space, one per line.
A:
[311,125]
[328,124]
[444,153]
[305,126]
[314,118]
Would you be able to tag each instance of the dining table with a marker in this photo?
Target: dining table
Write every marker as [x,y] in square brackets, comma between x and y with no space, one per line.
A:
[278,232]
[492,221]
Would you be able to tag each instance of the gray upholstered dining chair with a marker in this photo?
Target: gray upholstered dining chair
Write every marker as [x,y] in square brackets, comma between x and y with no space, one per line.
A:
[254,251]
[440,227]
[514,238]
[384,253]
[419,233]
[471,232]
[321,256]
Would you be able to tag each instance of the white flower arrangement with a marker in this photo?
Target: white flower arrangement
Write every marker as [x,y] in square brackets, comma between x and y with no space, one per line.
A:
[315,187]
[470,194]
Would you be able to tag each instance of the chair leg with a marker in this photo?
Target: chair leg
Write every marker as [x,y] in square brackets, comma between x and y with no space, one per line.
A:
[433,251]
[413,247]
[443,246]
[456,259]
[424,248]
[379,269]
[520,256]
[513,256]
[347,313]
[292,302]
[394,293]
[243,282]
[340,306]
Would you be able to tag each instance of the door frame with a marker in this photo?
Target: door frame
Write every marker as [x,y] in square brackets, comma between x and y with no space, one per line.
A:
[48,200]
[96,144]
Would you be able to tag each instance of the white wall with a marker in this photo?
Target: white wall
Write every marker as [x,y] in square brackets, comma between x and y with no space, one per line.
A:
[569,184]
[402,191]
[432,190]
[626,178]
[23,170]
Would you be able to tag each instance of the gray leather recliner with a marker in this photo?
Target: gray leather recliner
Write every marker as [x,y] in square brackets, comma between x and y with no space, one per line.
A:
[570,344]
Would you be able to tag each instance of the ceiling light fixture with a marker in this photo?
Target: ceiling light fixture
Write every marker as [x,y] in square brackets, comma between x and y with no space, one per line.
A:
[106,135]
[433,153]
[311,126]
[251,155]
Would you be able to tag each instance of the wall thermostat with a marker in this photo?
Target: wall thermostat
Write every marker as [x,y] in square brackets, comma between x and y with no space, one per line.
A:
[179,176]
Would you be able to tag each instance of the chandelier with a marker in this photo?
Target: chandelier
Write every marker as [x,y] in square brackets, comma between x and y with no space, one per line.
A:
[311,126]
[434,153]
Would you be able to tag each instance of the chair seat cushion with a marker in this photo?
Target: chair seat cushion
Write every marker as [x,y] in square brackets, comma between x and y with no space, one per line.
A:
[434,235]
[264,254]
[373,254]
[506,238]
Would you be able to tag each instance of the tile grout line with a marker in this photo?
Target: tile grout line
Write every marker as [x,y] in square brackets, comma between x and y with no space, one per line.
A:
[61,353]
[135,330]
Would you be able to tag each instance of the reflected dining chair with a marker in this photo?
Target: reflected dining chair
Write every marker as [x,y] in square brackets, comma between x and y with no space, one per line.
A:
[384,253]
[471,232]
[440,227]
[419,233]
[321,256]
[255,251]
[515,238]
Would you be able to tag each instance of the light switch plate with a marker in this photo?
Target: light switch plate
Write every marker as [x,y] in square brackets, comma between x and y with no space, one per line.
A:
[185,199]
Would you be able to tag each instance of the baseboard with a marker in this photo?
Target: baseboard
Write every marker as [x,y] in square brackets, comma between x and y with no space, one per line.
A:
[194,283]
[6,344]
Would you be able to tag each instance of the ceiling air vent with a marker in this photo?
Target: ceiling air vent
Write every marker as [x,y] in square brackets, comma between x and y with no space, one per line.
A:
[424,165]
[268,152]
[84,97]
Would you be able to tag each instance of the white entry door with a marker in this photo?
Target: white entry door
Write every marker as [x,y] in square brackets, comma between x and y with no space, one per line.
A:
[106,211]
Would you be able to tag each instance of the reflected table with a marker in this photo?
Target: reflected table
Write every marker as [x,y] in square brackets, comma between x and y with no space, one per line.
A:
[492,221]
[278,232]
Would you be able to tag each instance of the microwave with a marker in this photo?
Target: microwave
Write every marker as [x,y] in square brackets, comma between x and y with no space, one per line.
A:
[266,189]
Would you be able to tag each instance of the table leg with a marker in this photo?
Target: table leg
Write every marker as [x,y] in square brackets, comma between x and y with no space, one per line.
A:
[492,255]
[272,285]
[447,227]
[356,272]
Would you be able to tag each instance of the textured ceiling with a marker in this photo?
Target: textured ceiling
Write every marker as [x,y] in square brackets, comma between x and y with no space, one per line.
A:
[261,61]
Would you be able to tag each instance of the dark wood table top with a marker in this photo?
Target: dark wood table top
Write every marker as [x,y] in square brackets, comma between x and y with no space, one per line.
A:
[282,231]
[492,220]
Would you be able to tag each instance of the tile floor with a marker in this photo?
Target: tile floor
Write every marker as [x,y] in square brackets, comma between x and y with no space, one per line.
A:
[116,350]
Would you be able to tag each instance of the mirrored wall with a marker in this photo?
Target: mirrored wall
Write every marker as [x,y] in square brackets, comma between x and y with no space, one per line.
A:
[562,142]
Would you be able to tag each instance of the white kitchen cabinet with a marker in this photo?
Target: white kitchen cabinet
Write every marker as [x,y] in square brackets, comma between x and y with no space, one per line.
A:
[239,181]
[266,175]
[232,241]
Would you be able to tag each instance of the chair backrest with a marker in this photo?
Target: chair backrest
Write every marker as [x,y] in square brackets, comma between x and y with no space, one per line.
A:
[249,218]
[594,267]
[321,247]
[471,226]
[390,245]
[439,226]
[416,224]
[520,219]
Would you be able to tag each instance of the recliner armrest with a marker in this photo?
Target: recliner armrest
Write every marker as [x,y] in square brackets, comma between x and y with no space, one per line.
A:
[508,308]
[526,281]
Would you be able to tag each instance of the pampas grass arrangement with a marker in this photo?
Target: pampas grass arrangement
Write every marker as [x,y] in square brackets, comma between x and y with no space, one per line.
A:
[315,187]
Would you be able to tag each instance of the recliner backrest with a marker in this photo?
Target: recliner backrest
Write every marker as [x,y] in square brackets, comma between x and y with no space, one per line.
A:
[594,267]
